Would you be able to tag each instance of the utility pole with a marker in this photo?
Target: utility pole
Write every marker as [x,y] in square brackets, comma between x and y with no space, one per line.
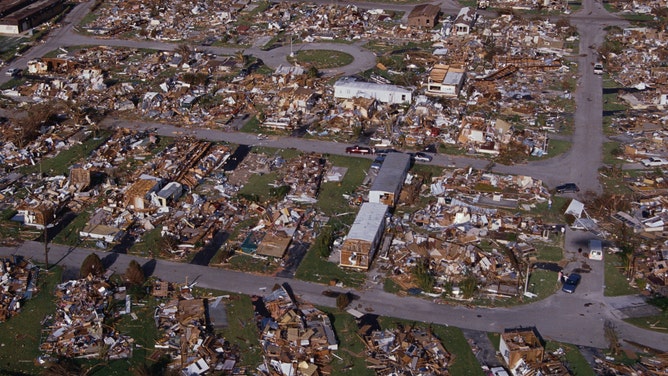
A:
[46,246]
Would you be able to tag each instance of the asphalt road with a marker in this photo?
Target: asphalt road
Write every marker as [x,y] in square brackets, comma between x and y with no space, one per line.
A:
[576,318]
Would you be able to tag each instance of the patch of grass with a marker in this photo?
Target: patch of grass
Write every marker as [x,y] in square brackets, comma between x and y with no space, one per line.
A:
[390,286]
[549,252]
[314,268]
[345,328]
[70,234]
[241,329]
[284,153]
[252,126]
[330,198]
[638,17]
[12,83]
[543,283]
[554,148]
[616,283]
[322,59]
[20,335]
[259,185]
[61,163]
[248,264]
[575,362]
[610,152]
[494,338]
[657,323]
[553,214]
[149,244]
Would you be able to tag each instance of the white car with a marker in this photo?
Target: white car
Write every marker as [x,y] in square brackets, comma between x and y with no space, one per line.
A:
[654,162]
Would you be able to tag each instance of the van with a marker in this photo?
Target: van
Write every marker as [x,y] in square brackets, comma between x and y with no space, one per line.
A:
[598,68]
[595,250]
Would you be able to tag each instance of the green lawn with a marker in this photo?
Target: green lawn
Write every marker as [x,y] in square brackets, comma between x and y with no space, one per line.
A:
[548,252]
[20,335]
[70,234]
[555,147]
[259,185]
[322,59]
[314,268]
[149,244]
[616,283]
[242,330]
[543,283]
[574,360]
[61,163]
[330,199]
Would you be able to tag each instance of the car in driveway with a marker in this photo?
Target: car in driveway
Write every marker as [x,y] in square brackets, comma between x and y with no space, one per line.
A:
[358,150]
[571,283]
[654,162]
[567,188]
[421,157]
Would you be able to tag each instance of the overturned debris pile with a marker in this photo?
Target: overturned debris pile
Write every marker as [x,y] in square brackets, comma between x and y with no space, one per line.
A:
[187,332]
[297,338]
[78,329]
[406,351]
[17,280]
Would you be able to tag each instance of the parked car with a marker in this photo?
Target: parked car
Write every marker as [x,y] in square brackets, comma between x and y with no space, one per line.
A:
[567,188]
[385,152]
[12,72]
[598,68]
[421,157]
[654,162]
[358,150]
[571,283]
[378,162]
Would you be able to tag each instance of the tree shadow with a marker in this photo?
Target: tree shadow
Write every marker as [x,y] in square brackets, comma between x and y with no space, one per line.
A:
[109,260]
[149,267]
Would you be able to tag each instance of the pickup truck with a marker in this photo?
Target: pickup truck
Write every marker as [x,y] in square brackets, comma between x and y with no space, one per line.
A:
[654,162]
[358,150]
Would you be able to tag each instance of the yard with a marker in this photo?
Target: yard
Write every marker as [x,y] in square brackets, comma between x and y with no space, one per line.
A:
[322,59]
[616,283]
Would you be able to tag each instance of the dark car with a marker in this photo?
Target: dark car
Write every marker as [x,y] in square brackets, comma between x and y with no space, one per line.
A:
[421,157]
[358,150]
[567,188]
[385,152]
[571,283]
[378,162]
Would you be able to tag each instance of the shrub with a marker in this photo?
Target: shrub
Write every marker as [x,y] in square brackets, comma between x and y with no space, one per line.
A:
[91,265]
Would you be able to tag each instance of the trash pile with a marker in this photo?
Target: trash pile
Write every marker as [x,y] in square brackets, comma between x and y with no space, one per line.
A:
[78,329]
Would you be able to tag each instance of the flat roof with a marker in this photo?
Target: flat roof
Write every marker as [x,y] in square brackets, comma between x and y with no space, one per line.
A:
[392,173]
[370,217]
[369,86]
[453,78]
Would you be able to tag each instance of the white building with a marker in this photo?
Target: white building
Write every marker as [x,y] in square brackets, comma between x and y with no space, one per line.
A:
[348,87]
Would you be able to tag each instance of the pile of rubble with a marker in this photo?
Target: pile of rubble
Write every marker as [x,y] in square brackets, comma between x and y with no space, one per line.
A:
[406,350]
[187,331]
[297,338]
[18,280]
[78,328]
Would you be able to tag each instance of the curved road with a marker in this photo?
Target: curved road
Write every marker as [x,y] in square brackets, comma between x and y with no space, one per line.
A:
[576,318]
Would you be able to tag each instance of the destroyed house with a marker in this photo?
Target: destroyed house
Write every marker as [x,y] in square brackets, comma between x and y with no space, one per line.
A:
[387,185]
[424,15]
[464,21]
[139,192]
[364,236]
[445,81]
[350,88]
[171,192]
[521,344]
